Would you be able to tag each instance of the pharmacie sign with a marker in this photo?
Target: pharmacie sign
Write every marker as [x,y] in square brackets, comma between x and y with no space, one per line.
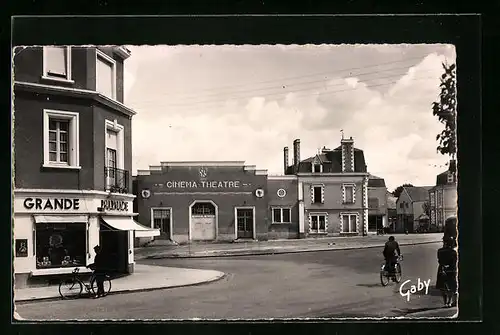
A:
[202,184]
[114,205]
[51,204]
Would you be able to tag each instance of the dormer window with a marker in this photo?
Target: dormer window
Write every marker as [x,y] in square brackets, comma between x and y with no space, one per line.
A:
[57,63]
[317,168]
[450,177]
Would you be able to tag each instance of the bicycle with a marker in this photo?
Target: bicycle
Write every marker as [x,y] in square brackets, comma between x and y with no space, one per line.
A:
[73,287]
[396,275]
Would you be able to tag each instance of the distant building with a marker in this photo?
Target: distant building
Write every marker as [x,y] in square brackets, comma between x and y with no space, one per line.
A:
[332,190]
[410,206]
[444,196]
[377,204]
[392,214]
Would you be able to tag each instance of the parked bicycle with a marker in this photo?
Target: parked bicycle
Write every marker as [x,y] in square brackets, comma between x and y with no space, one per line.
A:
[72,287]
[387,274]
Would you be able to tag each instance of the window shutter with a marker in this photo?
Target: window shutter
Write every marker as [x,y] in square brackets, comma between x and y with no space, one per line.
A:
[56,62]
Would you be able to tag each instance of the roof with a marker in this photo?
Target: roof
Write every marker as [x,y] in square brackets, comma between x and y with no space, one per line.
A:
[332,161]
[418,193]
[374,181]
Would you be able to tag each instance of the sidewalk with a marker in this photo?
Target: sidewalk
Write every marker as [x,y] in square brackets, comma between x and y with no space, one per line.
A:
[278,246]
[145,278]
[438,313]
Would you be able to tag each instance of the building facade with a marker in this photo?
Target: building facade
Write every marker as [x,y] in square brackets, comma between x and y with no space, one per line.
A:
[284,207]
[377,205]
[333,190]
[443,197]
[204,201]
[410,206]
[72,153]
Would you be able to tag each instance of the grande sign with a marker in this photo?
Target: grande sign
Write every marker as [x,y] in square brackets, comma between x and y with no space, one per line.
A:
[51,204]
[203,184]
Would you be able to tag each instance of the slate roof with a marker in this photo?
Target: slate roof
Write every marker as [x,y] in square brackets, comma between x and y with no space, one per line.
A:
[374,181]
[332,162]
[420,193]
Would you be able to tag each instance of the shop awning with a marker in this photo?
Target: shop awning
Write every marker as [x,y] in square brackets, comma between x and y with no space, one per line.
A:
[61,218]
[127,223]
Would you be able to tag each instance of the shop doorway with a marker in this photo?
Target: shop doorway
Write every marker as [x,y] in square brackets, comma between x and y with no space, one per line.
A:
[375,223]
[244,222]
[203,217]
[114,245]
[162,219]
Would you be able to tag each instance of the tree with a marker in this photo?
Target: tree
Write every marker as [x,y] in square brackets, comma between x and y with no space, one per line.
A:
[446,111]
[397,191]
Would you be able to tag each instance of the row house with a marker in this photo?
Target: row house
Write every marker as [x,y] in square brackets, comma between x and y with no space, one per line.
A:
[332,190]
[444,196]
[72,161]
[411,206]
[377,205]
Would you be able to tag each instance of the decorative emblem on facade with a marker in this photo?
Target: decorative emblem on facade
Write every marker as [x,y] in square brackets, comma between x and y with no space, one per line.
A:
[145,194]
[259,193]
[203,172]
[281,192]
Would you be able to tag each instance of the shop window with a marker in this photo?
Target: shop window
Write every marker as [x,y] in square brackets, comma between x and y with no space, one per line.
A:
[57,63]
[349,223]
[317,223]
[60,245]
[281,215]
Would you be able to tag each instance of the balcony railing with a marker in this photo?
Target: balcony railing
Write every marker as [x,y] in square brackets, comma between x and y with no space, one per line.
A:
[117,180]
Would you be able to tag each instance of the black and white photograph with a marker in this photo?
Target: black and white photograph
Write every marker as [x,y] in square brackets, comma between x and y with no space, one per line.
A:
[235,182]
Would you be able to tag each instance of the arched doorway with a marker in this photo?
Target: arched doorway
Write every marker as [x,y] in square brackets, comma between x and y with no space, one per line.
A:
[203,220]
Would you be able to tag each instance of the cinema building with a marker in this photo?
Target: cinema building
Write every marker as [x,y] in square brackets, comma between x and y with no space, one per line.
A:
[72,152]
[332,190]
[203,201]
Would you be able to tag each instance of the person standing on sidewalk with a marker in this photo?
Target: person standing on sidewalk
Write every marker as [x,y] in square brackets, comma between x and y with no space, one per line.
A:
[447,272]
[99,270]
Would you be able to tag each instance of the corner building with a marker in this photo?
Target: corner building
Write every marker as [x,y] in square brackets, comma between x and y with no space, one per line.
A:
[72,153]
[203,201]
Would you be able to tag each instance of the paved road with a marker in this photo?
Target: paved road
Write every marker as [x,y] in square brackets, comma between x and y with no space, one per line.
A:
[343,283]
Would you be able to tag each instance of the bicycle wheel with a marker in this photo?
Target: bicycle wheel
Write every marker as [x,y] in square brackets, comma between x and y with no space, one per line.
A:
[398,275]
[106,284]
[70,288]
[384,279]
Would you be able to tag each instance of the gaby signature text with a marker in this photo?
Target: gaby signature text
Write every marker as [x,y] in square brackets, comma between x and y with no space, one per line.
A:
[407,289]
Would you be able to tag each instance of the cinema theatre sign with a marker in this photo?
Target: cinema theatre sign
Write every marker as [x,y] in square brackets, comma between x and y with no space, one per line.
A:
[204,184]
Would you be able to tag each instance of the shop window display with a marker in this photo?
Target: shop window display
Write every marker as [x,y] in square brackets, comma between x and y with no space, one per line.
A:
[60,245]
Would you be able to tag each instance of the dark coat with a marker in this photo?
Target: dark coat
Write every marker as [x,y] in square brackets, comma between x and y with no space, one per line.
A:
[447,256]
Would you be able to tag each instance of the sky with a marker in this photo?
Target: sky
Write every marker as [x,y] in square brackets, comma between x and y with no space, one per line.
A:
[245,103]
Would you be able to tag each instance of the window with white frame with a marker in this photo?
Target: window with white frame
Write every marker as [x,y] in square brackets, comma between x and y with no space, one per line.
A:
[57,63]
[317,223]
[281,215]
[114,156]
[105,75]
[318,194]
[349,223]
[349,192]
[317,168]
[61,138]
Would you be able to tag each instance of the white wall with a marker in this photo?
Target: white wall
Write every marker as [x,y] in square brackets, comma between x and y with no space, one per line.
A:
[23,229]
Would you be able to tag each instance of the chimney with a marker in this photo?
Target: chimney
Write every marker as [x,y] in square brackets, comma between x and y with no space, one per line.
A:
[347,155]
[285,154]
[296,155]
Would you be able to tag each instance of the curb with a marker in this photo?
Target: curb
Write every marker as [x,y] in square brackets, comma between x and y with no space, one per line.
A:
[267,252]
[222,276]
[424,314]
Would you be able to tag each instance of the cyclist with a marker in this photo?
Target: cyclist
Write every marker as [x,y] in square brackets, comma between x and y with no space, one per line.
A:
[390,249]
[447,277]
[99,271]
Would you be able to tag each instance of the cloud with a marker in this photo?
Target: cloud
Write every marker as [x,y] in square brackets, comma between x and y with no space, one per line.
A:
[390,119]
